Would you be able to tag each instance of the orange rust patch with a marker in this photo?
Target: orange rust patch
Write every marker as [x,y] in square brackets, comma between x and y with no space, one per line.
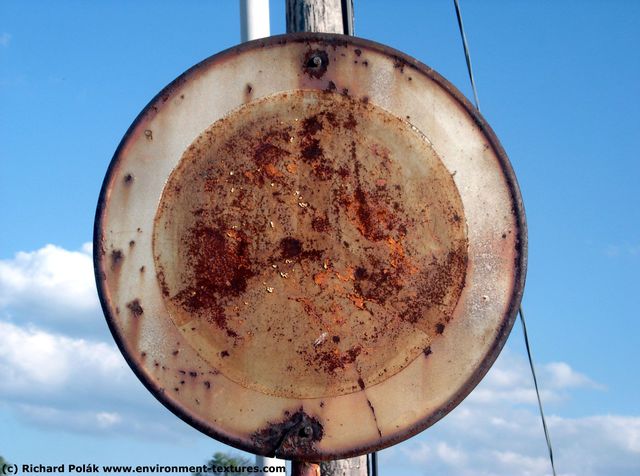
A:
[358,301]
[292,167]
[347,275]
[272,171]
[321,278]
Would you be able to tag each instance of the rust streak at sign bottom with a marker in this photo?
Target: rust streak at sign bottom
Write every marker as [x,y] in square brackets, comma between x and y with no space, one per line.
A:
[296,432]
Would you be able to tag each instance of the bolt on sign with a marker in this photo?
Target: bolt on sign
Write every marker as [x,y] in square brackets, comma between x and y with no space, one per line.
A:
[310,246]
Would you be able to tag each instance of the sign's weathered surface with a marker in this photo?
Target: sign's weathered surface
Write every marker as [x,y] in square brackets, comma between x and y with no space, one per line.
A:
[305,232]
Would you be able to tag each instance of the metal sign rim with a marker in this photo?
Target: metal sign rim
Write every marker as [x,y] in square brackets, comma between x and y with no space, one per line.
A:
[518,212]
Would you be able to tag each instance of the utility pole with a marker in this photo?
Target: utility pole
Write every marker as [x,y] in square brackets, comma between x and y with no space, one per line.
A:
[254,19]
[324,16]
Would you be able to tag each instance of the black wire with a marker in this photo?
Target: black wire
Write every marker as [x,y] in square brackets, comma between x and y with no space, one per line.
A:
[535,383]
[524,325]
[374,463]
[467,56]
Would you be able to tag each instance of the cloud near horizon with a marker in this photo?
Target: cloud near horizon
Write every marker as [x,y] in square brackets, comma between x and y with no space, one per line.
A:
[74,385]
[53,288]
[59,372]
[59,365]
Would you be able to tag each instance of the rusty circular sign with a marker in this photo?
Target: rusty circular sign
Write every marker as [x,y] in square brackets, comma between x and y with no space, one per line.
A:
[310,246]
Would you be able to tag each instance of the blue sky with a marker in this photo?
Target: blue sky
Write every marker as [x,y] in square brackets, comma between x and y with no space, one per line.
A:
[559,81]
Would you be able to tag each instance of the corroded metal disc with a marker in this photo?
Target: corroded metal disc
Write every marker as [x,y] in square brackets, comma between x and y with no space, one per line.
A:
[310,246]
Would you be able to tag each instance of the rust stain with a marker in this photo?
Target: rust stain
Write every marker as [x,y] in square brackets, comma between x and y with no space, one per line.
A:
[116,259]
[315,63]
[135,308]
[295,434]
[292,167]
[358,301]
[296,222]
[321,278]
[375,419]
[221,267]
[303,468]
[331,361]
[438,284]
[248,92]
[321,224]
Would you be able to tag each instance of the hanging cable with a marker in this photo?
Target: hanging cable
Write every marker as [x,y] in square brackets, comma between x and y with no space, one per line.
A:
[535,384]
[467,56]
[524,325]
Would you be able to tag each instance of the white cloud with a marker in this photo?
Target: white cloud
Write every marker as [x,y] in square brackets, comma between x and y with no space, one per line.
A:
[77,385]
[107,420]
[105,423]
[31,358]
[56,373]
[516,463]
[588,446]
[5,39]
[53,288]
[497,431]
[420,453]
[623,250]
[510,381]
[84,421]
[449,455]
[559,375]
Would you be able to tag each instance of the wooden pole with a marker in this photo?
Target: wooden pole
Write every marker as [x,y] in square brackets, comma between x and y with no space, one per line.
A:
[324,16]
[345,467]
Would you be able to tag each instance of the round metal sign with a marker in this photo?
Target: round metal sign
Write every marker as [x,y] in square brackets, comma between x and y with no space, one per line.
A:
[310,246]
